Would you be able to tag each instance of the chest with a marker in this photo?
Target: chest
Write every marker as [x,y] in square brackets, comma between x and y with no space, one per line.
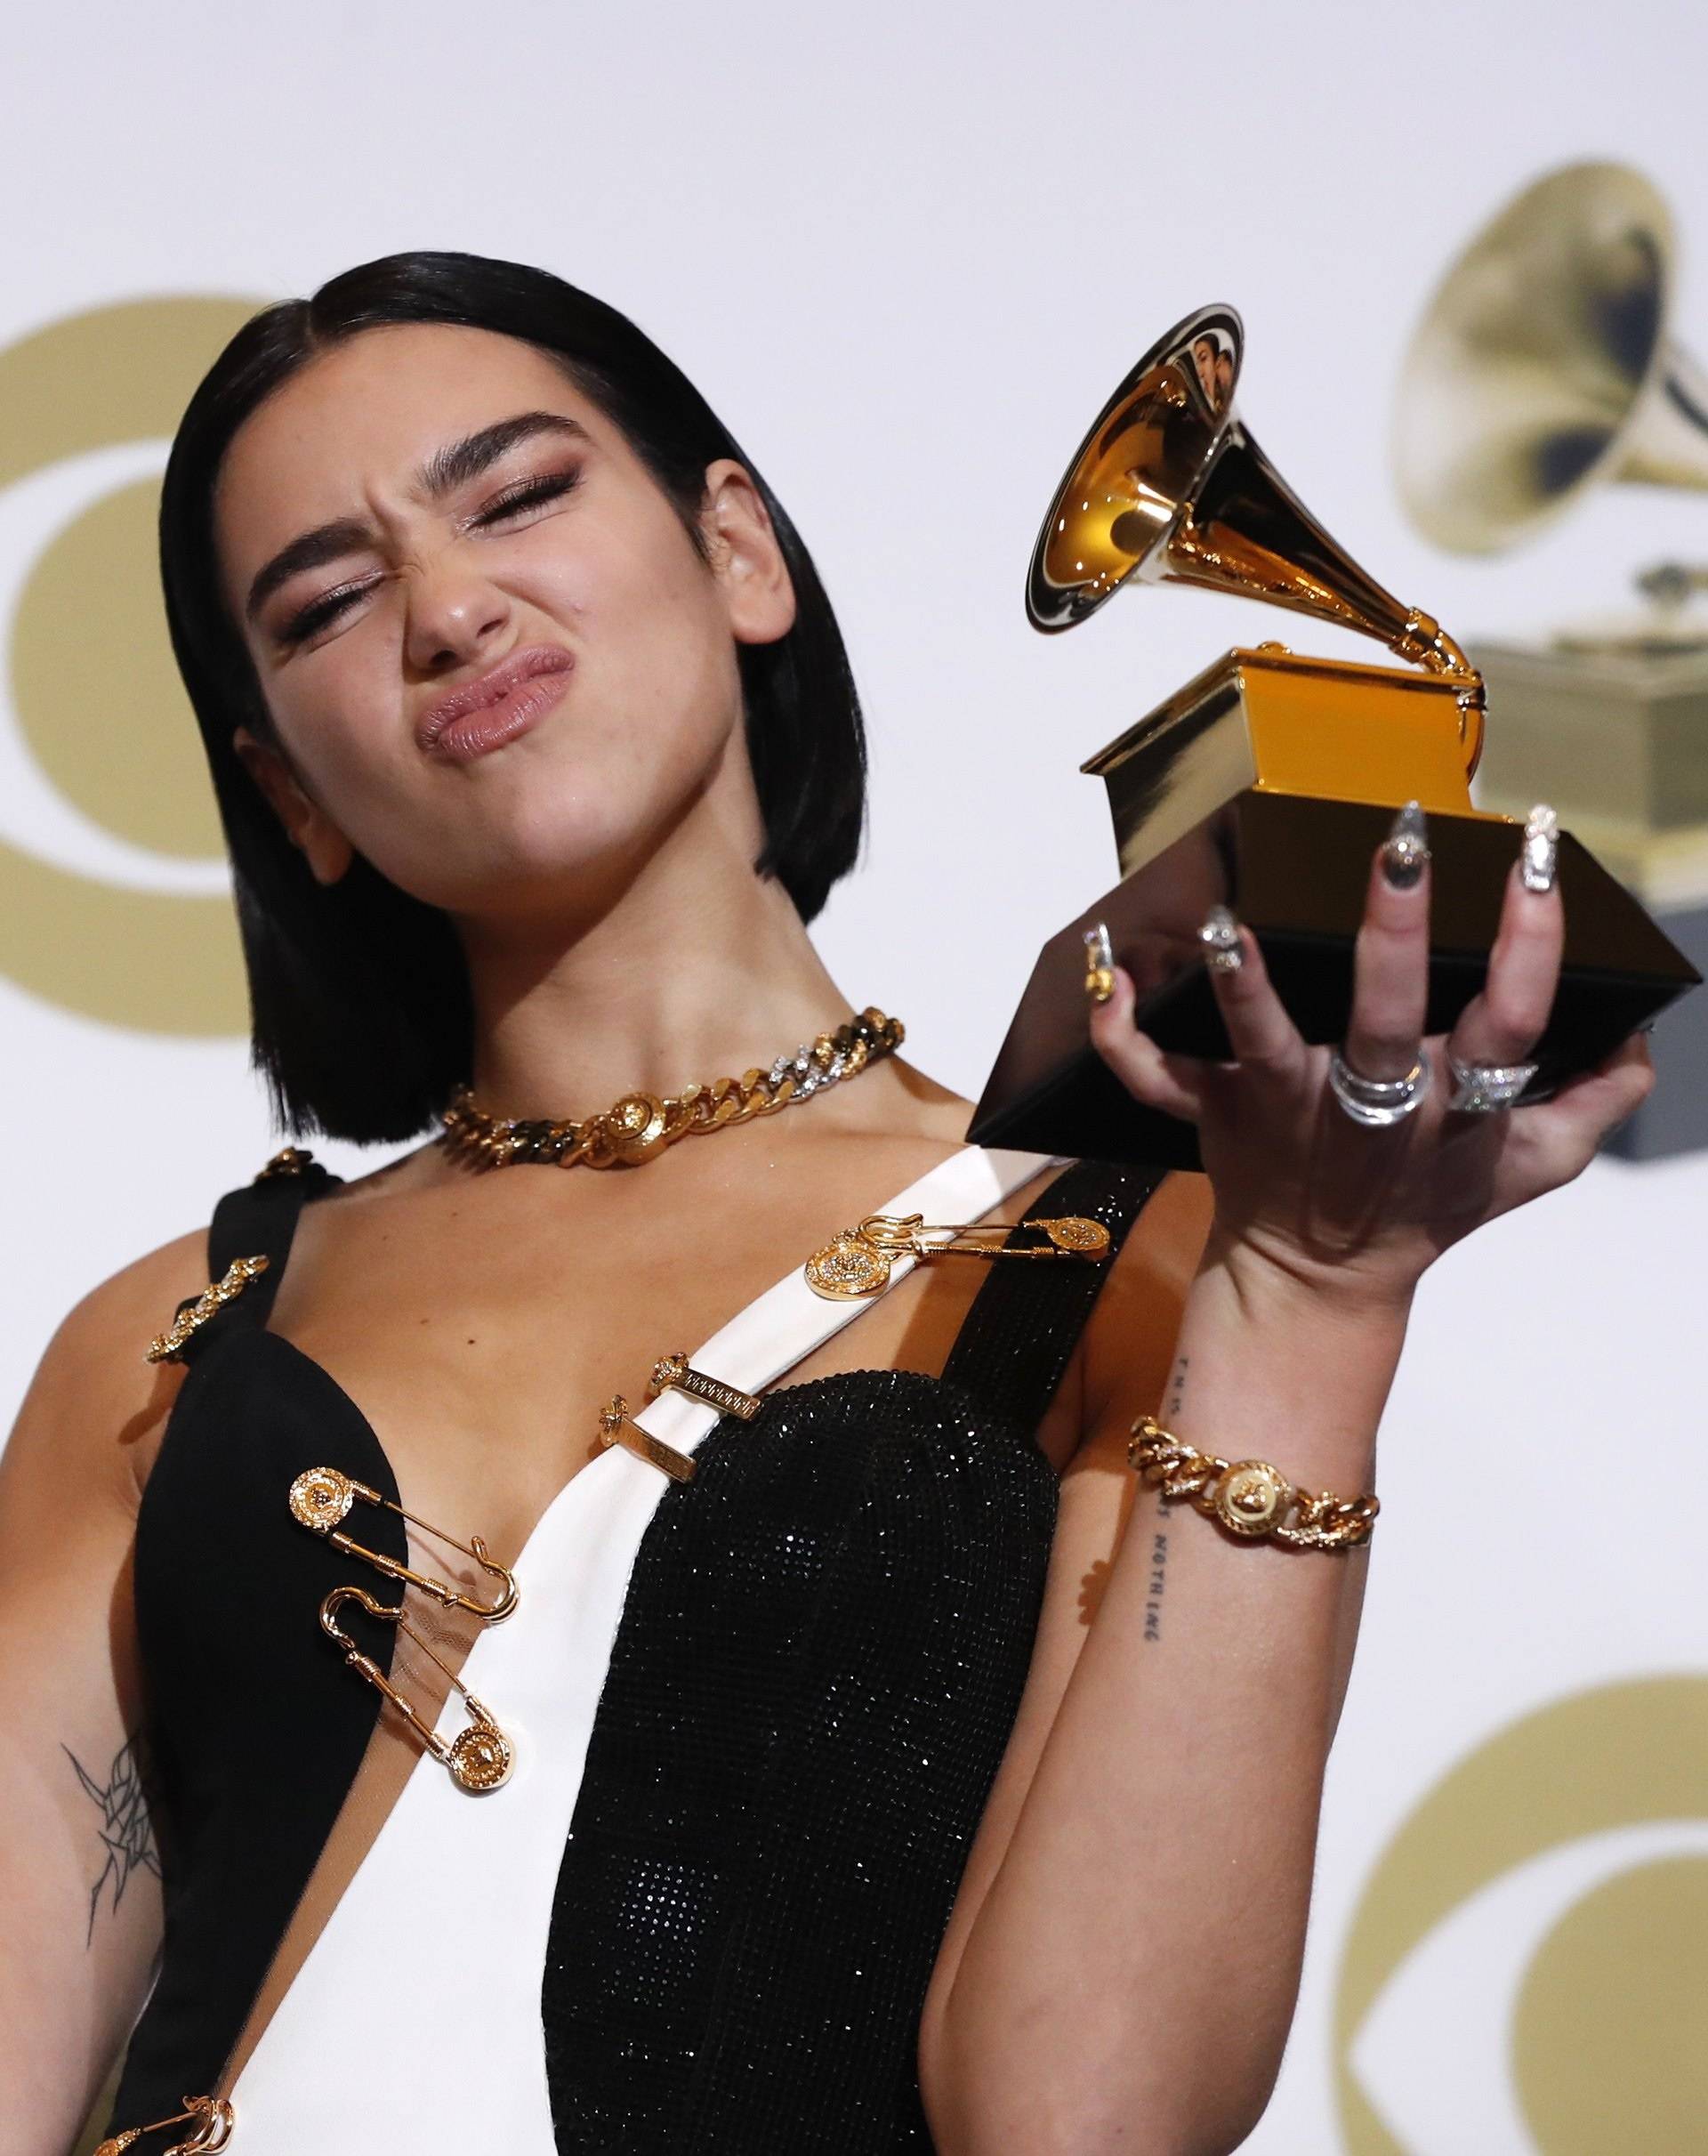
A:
[478,1329]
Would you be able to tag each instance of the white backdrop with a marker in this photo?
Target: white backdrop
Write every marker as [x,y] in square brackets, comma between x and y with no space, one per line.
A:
[906,252]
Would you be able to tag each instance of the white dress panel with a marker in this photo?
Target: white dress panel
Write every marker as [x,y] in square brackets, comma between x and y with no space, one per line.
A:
[414,2022]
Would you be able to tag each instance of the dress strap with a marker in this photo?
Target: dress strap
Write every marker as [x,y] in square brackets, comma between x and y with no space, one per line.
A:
[258,1219]
[783,1326]
[1016,1342]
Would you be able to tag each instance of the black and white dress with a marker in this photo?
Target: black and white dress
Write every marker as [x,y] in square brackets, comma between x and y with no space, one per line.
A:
[756,1718]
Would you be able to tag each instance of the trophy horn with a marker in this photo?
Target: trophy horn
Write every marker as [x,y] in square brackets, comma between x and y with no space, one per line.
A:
[1542,366]
[1169,487]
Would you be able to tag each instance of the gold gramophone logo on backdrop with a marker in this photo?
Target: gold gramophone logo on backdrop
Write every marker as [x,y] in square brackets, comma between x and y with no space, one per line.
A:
[1544,365]
[110,901]
[1526,1969]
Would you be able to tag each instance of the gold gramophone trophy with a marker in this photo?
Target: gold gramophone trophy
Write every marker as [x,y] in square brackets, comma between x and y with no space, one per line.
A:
[1268,782]
[1542,368]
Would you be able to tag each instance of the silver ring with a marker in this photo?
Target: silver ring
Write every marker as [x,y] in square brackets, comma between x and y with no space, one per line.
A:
[1377,1102]
[1481,1089]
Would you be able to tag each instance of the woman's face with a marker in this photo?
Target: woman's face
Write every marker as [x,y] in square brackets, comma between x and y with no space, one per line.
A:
[369,587]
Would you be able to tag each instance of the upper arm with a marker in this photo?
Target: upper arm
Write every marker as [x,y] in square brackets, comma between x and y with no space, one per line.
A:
[1124,1369]
[78,1872]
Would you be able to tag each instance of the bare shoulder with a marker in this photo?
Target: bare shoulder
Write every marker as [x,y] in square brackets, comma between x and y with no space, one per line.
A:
[95,1401]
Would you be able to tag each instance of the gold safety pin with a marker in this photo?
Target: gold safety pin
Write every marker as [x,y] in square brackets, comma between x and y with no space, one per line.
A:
[617,1426]
[213,2119]
[677,1373]
[860,1260]
[906,1235]
[321,1496]
[480,1758]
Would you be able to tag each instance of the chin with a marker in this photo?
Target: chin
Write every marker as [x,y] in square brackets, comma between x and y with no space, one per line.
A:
[554,855]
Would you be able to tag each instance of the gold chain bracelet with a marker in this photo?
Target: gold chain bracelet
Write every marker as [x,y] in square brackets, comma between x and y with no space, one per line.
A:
[1249,1497]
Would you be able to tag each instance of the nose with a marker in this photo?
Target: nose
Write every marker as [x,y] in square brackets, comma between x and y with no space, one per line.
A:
[453,613]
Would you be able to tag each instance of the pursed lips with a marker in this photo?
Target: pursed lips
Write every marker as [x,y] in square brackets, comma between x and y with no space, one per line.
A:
[492,688]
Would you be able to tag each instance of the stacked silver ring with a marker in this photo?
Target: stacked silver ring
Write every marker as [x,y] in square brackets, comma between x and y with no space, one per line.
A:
[1377,1102]
[1481,1089]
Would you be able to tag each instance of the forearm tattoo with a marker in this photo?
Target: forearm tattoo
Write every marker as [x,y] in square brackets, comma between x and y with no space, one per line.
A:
[1159,1536]
[1154,1590]
[125,1829]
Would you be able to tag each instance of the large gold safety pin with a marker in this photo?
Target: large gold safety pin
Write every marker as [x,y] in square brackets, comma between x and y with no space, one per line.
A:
[860,1260]
[213,2119]
[478,1758]
[321,1496]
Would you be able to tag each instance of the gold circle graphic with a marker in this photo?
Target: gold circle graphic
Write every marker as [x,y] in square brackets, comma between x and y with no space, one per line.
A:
[1619,1755]
[99,701]
[1610,2037]
[96,693]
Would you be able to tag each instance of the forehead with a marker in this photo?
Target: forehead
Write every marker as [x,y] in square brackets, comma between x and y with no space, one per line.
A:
[367,413]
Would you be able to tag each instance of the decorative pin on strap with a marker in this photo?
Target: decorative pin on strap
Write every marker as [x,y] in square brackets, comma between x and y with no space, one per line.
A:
[859,1261]
[212,1299]
[677,1373]
[617,1426]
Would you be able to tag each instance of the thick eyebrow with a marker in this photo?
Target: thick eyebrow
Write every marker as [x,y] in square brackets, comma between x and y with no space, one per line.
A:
[445,471]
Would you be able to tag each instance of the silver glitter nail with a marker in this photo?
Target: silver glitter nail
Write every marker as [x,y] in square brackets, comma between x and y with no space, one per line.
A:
[1541,853]
[1406,850]
[1219,937]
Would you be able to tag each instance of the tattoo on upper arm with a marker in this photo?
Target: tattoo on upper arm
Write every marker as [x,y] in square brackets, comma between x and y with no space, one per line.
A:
[1154,1594]
[125,1829]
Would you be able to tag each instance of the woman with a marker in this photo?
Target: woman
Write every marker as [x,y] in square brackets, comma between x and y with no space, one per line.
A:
[875,1764]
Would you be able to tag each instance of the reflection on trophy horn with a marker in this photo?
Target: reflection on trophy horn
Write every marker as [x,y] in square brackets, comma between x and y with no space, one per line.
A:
[1543,366]
[1267,783]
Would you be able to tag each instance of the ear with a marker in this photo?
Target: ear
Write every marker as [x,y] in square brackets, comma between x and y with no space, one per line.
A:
[744,555]
[322,845]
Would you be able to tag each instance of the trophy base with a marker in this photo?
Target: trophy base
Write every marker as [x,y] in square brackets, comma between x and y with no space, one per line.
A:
[1294,868]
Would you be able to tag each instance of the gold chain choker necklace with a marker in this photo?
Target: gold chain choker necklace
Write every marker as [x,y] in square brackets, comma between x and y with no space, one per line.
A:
[640,1126]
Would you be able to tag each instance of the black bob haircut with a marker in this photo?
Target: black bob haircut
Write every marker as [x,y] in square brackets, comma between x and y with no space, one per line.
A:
[359,1007]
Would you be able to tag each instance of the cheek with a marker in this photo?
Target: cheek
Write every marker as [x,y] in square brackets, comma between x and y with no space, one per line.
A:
[657,680]
[344,723]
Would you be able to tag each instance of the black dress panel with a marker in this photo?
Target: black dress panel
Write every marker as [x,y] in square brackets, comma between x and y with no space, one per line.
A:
[255,1726]
[822,1651]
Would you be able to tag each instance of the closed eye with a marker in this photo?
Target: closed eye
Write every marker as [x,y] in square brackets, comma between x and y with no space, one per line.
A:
[532,493]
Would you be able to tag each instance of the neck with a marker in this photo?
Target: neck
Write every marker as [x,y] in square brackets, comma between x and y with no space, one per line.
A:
[700,971]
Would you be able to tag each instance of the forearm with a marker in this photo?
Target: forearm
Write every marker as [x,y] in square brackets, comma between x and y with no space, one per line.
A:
[73,1967]
[1131,1975]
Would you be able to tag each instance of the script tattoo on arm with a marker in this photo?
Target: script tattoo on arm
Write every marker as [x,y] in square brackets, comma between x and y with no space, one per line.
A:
[1154,1591]
[1159,1536]
[125,1829]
